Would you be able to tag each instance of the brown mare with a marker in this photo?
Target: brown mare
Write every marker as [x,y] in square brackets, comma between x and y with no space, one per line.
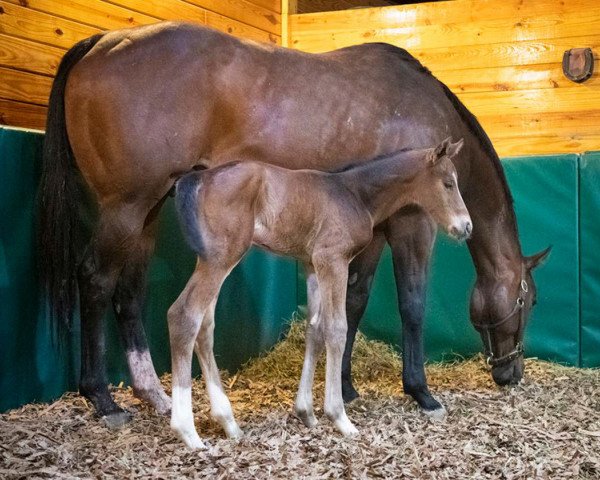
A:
[322,219]
[132,110]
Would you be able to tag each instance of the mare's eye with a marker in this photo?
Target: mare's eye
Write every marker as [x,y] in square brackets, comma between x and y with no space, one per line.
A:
[449,185]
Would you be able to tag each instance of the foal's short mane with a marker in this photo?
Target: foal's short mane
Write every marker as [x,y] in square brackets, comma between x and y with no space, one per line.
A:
[385,156]
[467,117]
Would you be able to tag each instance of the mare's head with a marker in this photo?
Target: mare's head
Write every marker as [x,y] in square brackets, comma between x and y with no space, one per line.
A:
[501,322]
[438,194]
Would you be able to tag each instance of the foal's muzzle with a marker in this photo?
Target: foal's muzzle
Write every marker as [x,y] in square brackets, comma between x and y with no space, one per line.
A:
[461,229]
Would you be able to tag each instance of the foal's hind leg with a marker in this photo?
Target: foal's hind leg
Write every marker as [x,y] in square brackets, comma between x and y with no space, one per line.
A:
[109,247]
[303,406]
[220,409]
[128,303]
[411,238]
[185,317]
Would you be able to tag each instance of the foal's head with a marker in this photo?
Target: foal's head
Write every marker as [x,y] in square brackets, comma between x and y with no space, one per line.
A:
[438,194]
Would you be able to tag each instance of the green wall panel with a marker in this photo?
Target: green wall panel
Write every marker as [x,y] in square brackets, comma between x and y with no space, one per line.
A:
[589,214]
[546,203]
[29,366]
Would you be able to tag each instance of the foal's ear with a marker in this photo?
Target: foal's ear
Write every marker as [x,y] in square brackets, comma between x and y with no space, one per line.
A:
[440,151]
[454,148]
[537,259]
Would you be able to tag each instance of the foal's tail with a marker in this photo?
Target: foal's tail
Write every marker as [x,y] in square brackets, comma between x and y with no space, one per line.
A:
[186,202]
[58,195]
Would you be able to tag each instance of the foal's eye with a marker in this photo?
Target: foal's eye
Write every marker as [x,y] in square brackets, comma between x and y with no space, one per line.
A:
[449,185]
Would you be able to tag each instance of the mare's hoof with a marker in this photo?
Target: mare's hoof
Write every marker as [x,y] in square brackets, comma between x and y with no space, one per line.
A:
[437,414]
[117,419]
[157,398]
[349,393]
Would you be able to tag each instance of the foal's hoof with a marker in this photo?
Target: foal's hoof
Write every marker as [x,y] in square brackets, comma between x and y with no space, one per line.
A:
[306,417]
[117,419]
[346,428]
[234,432]
[192,440]
[437,414]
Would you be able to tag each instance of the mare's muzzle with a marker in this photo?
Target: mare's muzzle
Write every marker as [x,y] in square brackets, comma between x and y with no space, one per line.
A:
[509,373]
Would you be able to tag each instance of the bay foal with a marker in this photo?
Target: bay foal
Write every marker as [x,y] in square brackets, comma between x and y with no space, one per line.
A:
[322,219]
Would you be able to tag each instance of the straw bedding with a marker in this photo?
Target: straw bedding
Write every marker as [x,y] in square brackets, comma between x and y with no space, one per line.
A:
[547,427]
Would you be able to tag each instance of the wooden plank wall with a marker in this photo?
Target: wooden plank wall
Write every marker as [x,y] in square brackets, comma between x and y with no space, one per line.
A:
[34,35]
[501,57]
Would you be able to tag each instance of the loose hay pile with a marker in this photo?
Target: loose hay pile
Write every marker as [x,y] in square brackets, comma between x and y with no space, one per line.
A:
[548,427]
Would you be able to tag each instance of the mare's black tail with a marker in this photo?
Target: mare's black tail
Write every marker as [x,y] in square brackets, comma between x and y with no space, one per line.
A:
[58,196]
[186,202]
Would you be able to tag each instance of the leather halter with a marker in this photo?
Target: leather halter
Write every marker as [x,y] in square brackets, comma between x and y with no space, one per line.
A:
[491,359]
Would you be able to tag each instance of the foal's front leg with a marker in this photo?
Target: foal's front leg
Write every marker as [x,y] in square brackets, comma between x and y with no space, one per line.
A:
[332,277]
[314,347]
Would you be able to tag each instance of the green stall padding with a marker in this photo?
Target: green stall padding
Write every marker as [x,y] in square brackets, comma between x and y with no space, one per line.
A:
[545,192]
[545,189]
[30,368]
[255,303]
[589,218]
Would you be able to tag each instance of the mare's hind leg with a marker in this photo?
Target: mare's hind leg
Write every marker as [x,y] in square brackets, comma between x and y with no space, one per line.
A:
[116,234]
[360,279]
[411,238]
[220,409]
[303,407]
[128,303]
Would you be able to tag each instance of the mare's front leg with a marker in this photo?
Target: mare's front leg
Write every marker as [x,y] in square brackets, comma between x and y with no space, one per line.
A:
[360,278]
[332,277]
[411,235]
[303,406]
[220,407]
[128,303]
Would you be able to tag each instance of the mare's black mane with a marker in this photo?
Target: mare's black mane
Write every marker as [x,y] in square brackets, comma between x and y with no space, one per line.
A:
[467,117]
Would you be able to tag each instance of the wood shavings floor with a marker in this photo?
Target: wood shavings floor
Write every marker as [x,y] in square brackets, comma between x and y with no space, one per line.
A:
[548,427]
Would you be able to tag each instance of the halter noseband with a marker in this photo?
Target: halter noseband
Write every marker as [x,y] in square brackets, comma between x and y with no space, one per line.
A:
[491,359]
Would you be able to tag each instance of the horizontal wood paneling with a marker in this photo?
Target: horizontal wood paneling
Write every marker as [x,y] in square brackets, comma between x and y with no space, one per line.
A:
[24,115]
[24,87]
[502,58]
[245,12]
[95,13]
[27,55]
[25,23]
[34,35]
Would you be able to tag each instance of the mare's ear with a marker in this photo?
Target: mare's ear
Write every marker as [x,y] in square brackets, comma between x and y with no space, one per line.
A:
[439,151]
[454,148]
[536,259]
